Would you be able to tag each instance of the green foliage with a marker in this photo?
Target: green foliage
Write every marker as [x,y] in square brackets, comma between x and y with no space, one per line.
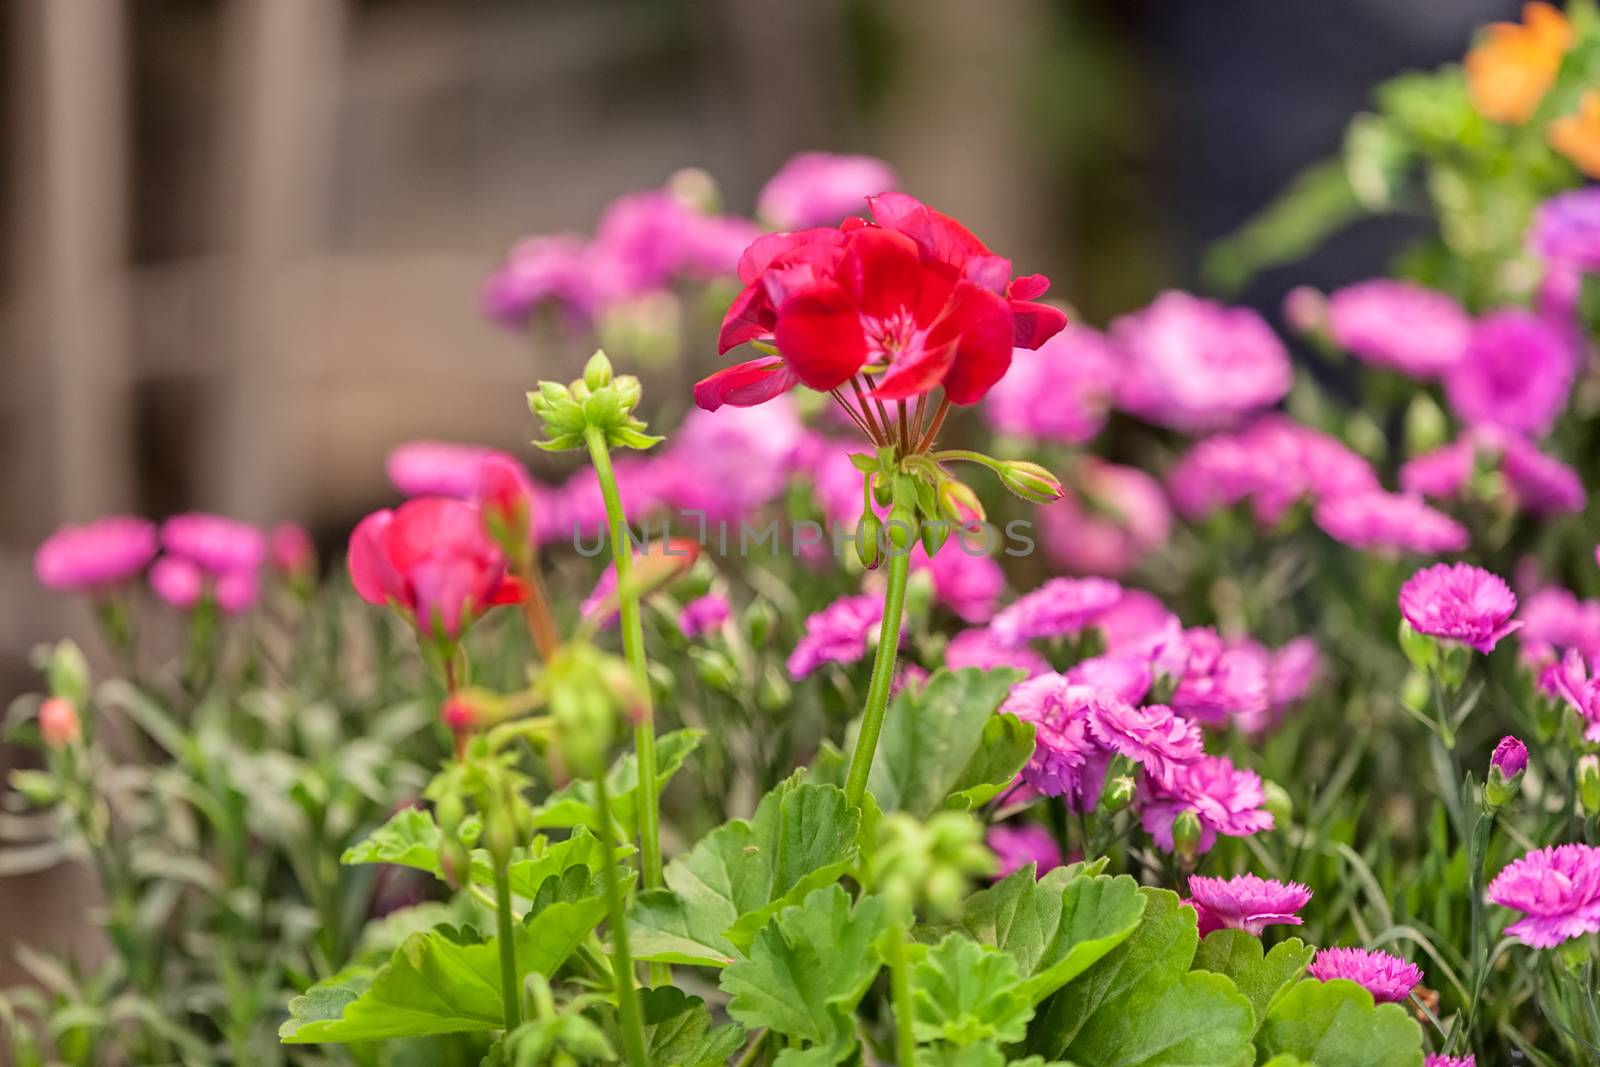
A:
[1336,1024]
[1261,976]
[575,803]
[964,992]
[679,1031]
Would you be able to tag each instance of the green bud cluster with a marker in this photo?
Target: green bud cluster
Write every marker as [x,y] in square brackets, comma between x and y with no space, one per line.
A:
[929,865]
[600,400]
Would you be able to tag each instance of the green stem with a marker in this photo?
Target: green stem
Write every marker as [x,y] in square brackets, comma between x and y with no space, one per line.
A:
[894,599]
[644,731]
[621,960]
[900,992]
[510,992]
[757,1047]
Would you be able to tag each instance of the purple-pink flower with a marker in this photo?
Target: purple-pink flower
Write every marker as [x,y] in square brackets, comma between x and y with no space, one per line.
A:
[439,468]
[1553,620]
[1223,679]
[289,549]
[978,648]
[549,268]
[1116,517]
[1194,364]
[216,544]
[1399,325]
[1442,473]
[965,580]
[1541,483]
[1154,736]
[1510,757]
[839,633]
[703,615]
[177,581]
[1389,979]
[1128,678]
[1067,761]
[1061,392]
[1566,229]
[1274,463]
[1459,602]
[1514,375]
[1469,1060]
[1558,891]
[1293,673]
[1246,902]
[96,555]
[1226,800]
[1389,522]
[820,188]
[1059,607]
[1017,845]
[1574,680]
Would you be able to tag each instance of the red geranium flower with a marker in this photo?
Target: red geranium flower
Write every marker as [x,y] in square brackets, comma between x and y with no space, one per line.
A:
[913,299]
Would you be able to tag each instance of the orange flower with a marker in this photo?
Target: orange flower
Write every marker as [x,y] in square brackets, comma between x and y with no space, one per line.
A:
[1578,136]
[1511,68]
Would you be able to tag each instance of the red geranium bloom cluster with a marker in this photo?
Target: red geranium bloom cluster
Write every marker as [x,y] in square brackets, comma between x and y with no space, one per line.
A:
[912,298]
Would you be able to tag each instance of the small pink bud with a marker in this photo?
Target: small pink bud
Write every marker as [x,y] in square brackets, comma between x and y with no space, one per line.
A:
[458,713]
[58,722]
[505,500]
[1510,757]
[290,550]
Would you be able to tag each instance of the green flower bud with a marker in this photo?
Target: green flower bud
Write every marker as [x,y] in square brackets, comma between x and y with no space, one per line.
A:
[902,527]
[958,503]
[758,621]
[934,535]
[929,864]
[455,863]
[597,372]
[499,834]
[869,541]
[1589,783]
[1420,649]
[1030,481]
[1278,802]
[1117,794]
[1186,832]
[715,669]
[448,812]
[68,673]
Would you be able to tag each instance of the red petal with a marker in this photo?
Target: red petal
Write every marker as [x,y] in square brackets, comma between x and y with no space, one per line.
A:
[1028,287]
[915,376]
[819,334]
[509,591]
[882,270]
[767,248]
[745,385]
[370,571]
[940,237]
[987,272]
[1034,324]
[749,316]
[983,354]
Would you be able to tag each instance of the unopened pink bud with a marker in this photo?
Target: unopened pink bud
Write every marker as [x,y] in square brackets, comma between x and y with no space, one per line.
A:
[58,722]
[458,713]
[290,550]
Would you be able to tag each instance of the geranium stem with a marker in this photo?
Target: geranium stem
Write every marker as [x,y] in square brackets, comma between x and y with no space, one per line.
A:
[510,992]
[644,732]
[900,993]
[621,959]
[882,675]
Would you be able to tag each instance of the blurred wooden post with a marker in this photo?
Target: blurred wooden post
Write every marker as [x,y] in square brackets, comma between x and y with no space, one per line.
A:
[70,256]
[280,96]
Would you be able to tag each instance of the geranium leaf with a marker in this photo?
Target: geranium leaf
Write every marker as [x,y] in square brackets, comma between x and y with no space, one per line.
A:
[964,992]
[1261,976]
[575,804]
[726,888]
[1006,746]
[808,968]
[932,736]
[1336,1024]
[1140,1006]
[678,1030]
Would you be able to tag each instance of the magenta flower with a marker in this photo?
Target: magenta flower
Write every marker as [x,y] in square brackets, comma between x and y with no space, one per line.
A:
[1387,522]
[1275,463]
[178,582]
[1469,1060]
[1574,680]
[1389,979]
[1118,516]
[1510,757]
[1399,325]
[839,633]
[439,468]
[1223,679]
[1541,484]
[1127,678]
[1514,375]
[1566,229]
[1018,845]
[1059,607]
[1224,798]
[978,648]
[237,591]
[1554,620]
[1061,392]
[820,188]
[552,268]
[1459,602]
[1294,671]
[289,549]
[218,545]
[1558,891]
[1442,473]
[732,461]
[95,556]
[1193,364]
[967,582]
[702,615]
[1153,736]
[1246,903]
[1067,761]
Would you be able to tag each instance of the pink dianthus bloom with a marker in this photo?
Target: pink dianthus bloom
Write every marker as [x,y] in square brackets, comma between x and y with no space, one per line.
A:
[1223,679]
[965,580]
[1067,761]
[1389,979]
[218,545]
[1294,672]
[839,633]
[1459,602]
[96,555]
[177,581]
[1154,736]
[820,188]
[1128,678]
[439,468]
[1246,903]
[978,648]
[1116,517]
[1541,483]
[1514,375]
[1574,680]
[1469,1060]
[703,615]
[1059,607]
[1018,845]
[1274,464]
[1387,522]
[1400,325]
[1558,891]
[1061,392]
[1442,473]
[1555,620]
[289,549]
[1226,799]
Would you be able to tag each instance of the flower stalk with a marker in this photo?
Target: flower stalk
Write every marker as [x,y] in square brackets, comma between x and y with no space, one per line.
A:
[877,707]
[621,959]
[510,993]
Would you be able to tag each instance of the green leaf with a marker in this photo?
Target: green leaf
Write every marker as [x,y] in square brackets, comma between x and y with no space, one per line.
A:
[1005,749]
[678,1031]
[566,910]
[983,1054]
[569,1036]
[445,981]
[808,968]
[1141,1006]
[933,742]
[1287,1061]
[576,804]
[1261,976]
[1336,1024]
[1055,928]
[964,992]
[728,886]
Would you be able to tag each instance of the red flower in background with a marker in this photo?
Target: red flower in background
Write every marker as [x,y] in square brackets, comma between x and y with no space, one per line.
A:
[913,296]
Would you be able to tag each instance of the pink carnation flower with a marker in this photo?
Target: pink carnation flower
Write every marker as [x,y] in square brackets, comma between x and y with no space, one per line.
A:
[1541,483]
[1223,679]
[1389,979]
[703,615]
[289,549]
[1514,375]
[1194,364]
[1459,602]
[1566,229]
[439,468]
[177,581]
[1246,903]
[218,545]
[965,580]
[1395,324]
[237,591]
[1067,761]
[1558,891]
[96,555]
[1574,680]
[1386,522]
[1116,517]
[1154,736]
[1294,672]
[1553,620]
[1059,607]
[1468,1060]
[1274,464]
[1442,473]
[978,648]
[729,462]
[1018,845]
[1224,798]
[820,188]
[1060,392]
[1128,678]
[839,633]
[550,268]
